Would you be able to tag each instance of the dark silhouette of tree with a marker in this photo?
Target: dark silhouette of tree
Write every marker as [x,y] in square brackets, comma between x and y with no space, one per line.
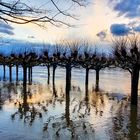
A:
[47,60]
[3,62]
[10,64]
[56,59]
[85,61]
[93,60]
[15,61]
[69,59]
[127,56]
[99,62]
[33,61]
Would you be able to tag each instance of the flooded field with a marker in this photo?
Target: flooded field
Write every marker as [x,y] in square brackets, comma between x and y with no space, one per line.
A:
[51,112]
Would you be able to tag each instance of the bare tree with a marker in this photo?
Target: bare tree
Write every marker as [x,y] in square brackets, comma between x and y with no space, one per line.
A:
[39,13]
[93,60]
[47,60]
[3,62]
[127,55]
[58,50]
[69,59]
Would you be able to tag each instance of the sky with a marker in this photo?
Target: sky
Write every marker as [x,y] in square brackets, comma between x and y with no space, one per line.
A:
[98,21]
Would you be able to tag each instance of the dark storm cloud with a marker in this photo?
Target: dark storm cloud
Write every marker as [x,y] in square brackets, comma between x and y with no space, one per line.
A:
[128,8]
[120,29]
[6,28]
[102,34]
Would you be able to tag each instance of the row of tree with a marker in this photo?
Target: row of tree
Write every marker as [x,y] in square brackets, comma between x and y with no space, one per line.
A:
[126,54]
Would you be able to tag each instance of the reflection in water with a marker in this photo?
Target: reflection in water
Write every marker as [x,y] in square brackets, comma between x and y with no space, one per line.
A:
[134,131]
[54,90]
[67,102]
[55,114]
[26,111]
[1,102]
[125,122]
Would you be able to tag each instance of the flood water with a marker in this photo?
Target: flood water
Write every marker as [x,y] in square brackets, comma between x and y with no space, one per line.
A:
[47,112]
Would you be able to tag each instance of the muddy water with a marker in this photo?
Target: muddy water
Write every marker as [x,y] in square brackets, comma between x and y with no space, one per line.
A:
[48,112]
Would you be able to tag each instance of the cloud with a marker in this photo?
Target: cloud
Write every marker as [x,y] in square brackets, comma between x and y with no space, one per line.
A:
[31,36]
[120,29]
[5,31]
[102,34]
[137,28]
[6,28]
[128,8]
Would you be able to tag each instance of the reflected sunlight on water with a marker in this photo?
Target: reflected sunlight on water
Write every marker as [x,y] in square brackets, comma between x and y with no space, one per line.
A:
[47,112]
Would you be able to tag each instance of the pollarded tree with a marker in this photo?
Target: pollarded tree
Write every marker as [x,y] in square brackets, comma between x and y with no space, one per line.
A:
[84,60]
[46,59]
[57,52]
[10,64]
[25,57]
[3,62]
[15,63]
[33,61]
[93,60]
[69,59]
[99,62]
[127,55]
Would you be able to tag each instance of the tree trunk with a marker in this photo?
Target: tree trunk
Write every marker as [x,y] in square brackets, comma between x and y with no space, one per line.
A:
[48,75]
[68,77]
[54,68]
[134,85]
[24,78]
[87,75]
[97,80]
[10,73]
[16,73]
[29,75]
[4,73]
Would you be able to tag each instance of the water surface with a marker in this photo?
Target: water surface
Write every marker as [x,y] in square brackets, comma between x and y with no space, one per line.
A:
[48,112]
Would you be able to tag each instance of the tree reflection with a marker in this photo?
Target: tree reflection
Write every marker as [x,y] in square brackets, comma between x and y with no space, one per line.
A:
[69,124]
[54,90]
[125,122]
[67,102]
[1,101]
[77,112]
[133,123]
[26,111]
